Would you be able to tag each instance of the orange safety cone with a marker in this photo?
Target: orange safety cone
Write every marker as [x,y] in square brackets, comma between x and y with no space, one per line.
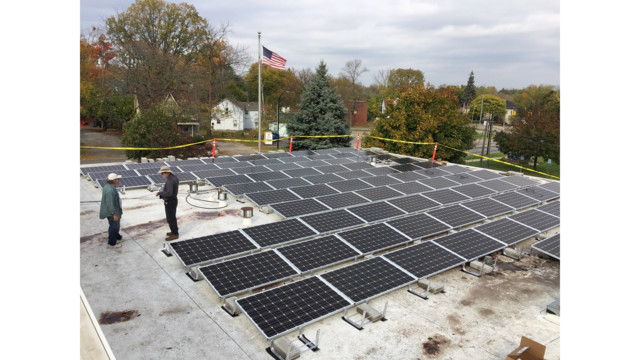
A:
[290,142]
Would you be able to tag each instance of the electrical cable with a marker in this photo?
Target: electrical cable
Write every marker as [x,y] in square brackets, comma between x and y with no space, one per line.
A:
[202,207]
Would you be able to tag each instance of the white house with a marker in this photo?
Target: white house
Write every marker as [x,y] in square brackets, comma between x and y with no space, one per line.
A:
[230,114]
[511,111]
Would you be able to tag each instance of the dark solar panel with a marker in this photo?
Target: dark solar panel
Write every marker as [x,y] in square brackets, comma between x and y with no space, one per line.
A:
[192,167]
[298,207]
[552,208]
[355,174]
[379,193]
[342,200]
[405,167]
[410,187]
[296,173]
[473,190]
[485,174]
[498,185]
[384,170]
[488,207]
[150,165]
[320,157]
[340,161]
[515,200]
[470,244]
[327,151]
[376,211]
[210,247]
[182,177]
[414,203]
[94,176]
[374,237]
[286,308]
[507,231]
[219,181]
[455,169]
[271,197]
[539,193]
[446,196]
[332,220]
[419,226]
[380,180]
[133,181]
[237,275]
[349,185]
[108,169]
[408,176]
[222,160]
[538,220]
[203,174]
[433,172]
[311,191]
[404,160]
[294,159]
[154,171]
[287,183]
[302,153]
[463,178]
[330,169]
[439,183]
[312,163]
[244,188]
[427,164]
[456,216]
[267,162]
[271,175]
[316,253]
[367,279]
[358,166]
[549,246]
[251,169]
[249,157]
[234,165]
[283,166]
[184,162]
[279,232]
[276,155]
[425,259]
[552,186]
[519,180]
[323,178]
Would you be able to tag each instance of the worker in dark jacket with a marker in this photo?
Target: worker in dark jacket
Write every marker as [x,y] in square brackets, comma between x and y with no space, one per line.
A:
[169,194]
[111,208]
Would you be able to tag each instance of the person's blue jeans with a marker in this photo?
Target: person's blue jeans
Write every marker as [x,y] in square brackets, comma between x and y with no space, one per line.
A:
[114,230]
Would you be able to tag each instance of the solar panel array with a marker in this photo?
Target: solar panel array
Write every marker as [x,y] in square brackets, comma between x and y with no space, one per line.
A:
[549,246]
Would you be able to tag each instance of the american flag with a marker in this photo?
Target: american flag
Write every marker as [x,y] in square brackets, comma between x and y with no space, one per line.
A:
[272,59]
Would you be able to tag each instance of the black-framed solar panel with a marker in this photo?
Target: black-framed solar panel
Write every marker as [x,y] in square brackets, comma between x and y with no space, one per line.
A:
[433,172]
[149,165]
[419,226]
[312,163]
[488,207]
[474,190]
[456,216]
[293,159]
[383,170]
[463,178]
[498,185]
[455,169]
[330,169]
[376,211]
[519,180]
[408,176]
[283,166]
[349,185]
[380,180]
[320,157]
[379,193]
[507,231]
[154,171]
[355,174]
[133,181]
[339,161]
[405,167]
[278,311]
[251,169]
[249,157]
[326,151]
[373,238]
[424,260]
[470,244]
[427,164]
[367,279]
[404,160]
[552,208]
[296,208]
[287,183]
[439,183]
[104,168]
[219,181]
[234,165]
[266,162]
[184,162]
[206,248]
[266,176]
[203,174]
[323,178]
[412,187]
[342,200]
[485,174]
[539,193]
[317,253]
[276,155]
[551,186]
[538,220]
[279,232]
[237,275]
[271,197]
[222,160]
[94,176]
[246,188]
[446,196]
[549,246]
[358,165]
[414,203]
[296,173]
[332,220]
[515,200]
[311,191]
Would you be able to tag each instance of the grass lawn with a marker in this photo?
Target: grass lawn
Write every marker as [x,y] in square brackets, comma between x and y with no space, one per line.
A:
[543,166]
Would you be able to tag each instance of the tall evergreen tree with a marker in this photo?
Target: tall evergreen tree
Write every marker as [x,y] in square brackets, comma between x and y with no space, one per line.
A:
[321,112]
[469,91]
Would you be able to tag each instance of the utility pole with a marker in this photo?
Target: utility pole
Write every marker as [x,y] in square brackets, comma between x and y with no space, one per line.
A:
[259,94]
[489,142]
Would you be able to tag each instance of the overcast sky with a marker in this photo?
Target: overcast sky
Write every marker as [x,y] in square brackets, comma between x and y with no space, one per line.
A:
[506,43]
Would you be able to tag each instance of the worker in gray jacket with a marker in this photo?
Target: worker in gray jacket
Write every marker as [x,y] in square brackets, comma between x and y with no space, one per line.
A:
[169,194]
[111,208]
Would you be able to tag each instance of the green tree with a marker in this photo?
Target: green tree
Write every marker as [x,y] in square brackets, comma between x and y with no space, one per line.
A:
[401,80]
[491,105]
[469,91]
[321,113]
[424,114]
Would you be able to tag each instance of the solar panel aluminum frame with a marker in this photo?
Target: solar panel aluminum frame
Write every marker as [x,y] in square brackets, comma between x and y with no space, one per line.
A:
[214,260]
[381,249]
[529,226]
[331,232]
[463,260]
[512,243]
[482,254]
[311,271]
[275,210]
[457,226]
[301,326]
[273,246]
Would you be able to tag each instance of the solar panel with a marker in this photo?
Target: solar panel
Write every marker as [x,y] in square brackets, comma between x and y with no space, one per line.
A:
[515,200]
[312,163]
[380,180]
[182,177]
[439,183]
[279,232]
[203,174]
[219,181]
[470,244]
[367,279]
[271,175]
[323,178]
[340,161]
[184,162]
[358,166]
[94,176]
[275,155]
[446,196]
[519,180]
[538,220]
[293,159]
[507,231]
[404,160]
[271,197]
[237,275]
[433,172]
[355,174]
[552,186]
[427,164]
[498,185]
[133,181]
[349,185]
[286,308]
[327,151]
[249,157]
[410,187]
[376,211]
[153,165]
[245,188]
[342,200]
[539,193]
[413,203]
[456,216]
[298,207]
[234,165]
[287,183]
[107,168]
[425,259]
[488,207]
[296,173]
[332,220]
[205,248]
[222,160]
[302,153]
[419,226]
[154,171]
[374,237]
[330,169]
[267,162]
[455,169]
[552,208]
[283,166]
[408,176]
[486,174]
[384,170]
[405,167]
[311,191]
[317,253]
[473,190]
[251,169]
[379,193]
[463,178]
[549,246]
[320,157]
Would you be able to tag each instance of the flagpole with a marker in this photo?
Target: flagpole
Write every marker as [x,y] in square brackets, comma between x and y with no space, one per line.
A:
[259,94]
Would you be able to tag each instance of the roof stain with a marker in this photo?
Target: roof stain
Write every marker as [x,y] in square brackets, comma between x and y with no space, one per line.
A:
[112,317]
